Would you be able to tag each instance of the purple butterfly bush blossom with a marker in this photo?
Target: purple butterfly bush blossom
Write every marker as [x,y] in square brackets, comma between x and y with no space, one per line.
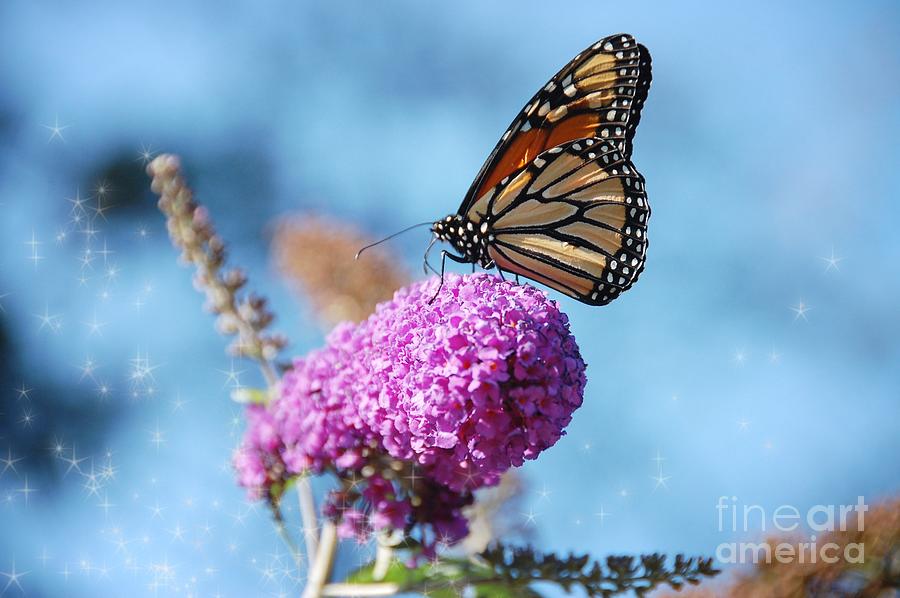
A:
[455,391]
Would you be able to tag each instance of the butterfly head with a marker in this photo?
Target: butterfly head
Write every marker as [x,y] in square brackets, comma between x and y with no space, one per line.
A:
[443,229]
[468,238]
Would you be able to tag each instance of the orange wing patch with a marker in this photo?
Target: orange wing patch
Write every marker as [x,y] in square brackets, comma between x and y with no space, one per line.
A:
[522,149]
[573,127]
[598,94]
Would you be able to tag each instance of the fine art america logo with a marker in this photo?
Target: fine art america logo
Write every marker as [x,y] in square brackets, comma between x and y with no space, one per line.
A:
[788,519]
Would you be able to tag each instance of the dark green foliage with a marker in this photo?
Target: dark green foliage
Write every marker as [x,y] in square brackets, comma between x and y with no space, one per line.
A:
[507,572]
[620,574]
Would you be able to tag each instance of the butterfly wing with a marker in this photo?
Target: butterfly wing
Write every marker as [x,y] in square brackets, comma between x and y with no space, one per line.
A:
[574,219]
[599,94]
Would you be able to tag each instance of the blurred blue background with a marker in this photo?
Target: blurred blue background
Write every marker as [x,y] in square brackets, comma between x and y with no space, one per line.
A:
[757,357]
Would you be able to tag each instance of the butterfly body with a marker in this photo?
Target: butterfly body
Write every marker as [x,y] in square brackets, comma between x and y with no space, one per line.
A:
[558,200]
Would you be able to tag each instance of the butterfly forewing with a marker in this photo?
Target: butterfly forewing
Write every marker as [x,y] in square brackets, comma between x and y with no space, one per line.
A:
[575,219]
[599,94]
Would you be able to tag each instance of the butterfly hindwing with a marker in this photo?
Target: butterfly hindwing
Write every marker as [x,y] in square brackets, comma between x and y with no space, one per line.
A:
[599,94]
[575,219]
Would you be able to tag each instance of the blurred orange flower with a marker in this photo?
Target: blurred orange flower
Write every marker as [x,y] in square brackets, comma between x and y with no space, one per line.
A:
[316,253]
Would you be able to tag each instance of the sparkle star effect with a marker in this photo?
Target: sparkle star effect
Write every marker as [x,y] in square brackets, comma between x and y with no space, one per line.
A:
[57,448]
[56,130]
[530,517]
[93,482]
[86,260]
[104,390]
[232,377]
[74,462]
[831,262]
[87,369]
[178,404]
[100,209]
[26,490]
[177,533]
[22,392]
[157,437]
[78,214]
[105,252]
[89,232]
[141,376]
[145,155]
[106,505]
[53,322]
[602,514]
[112,272]
[27,418]
[800,310]
[34,246]
[78,203]
[156,511]
[94,326]
[660,479]
[44,557]
[9,462]
[13,577]
[544,493]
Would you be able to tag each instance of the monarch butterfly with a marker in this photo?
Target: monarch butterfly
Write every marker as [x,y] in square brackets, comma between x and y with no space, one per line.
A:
[558,199]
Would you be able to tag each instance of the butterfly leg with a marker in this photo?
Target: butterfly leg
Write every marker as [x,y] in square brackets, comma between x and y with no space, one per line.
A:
[444,255]
[425,265]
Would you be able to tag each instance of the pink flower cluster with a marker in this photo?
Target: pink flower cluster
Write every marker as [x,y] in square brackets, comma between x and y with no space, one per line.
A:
[465,387]
[469,386]
[385,505]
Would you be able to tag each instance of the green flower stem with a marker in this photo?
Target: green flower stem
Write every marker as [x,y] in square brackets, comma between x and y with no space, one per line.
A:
[321,566]
[192,231]
[308,517]
[360,590]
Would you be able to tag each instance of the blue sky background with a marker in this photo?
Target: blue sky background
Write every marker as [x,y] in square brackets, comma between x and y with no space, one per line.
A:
[769,145]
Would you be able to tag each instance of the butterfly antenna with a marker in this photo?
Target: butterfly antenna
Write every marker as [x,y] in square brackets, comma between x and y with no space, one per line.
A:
[389,237]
